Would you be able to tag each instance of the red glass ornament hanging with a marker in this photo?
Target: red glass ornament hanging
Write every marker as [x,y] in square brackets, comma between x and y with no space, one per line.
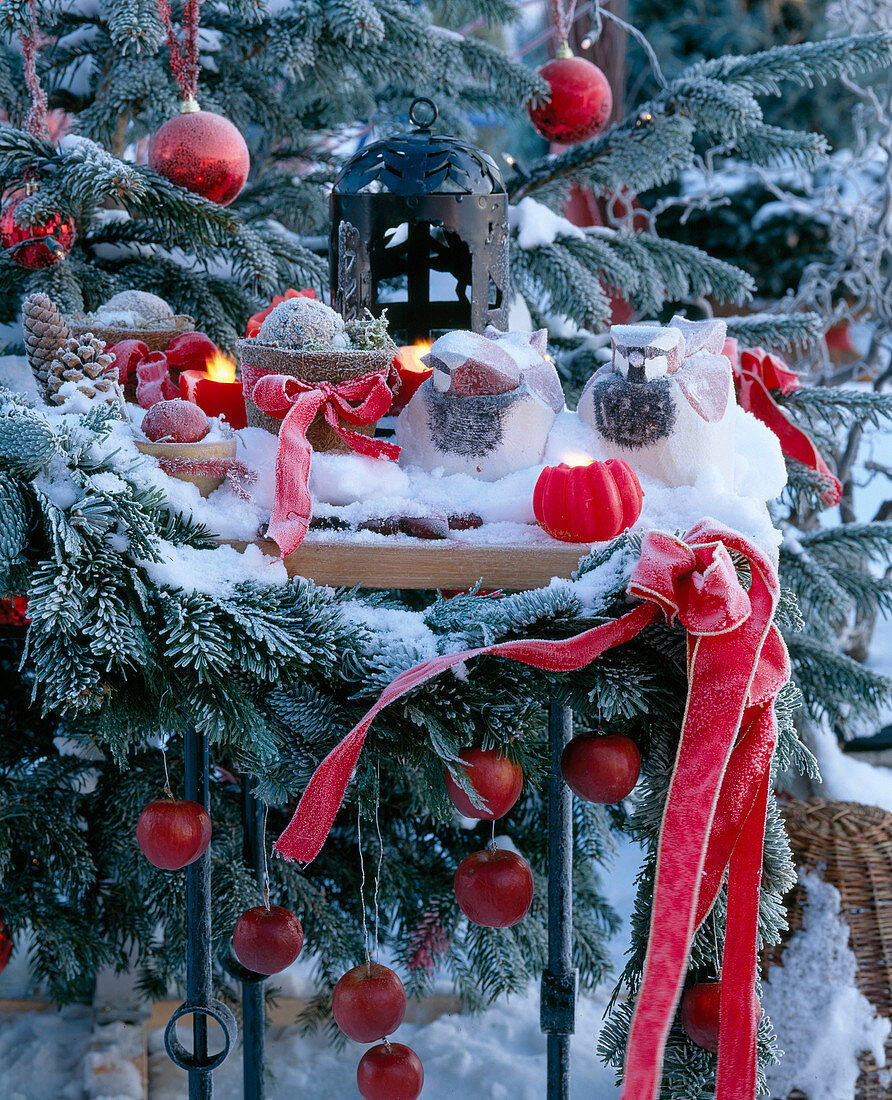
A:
[34,244]
[202,152]
[579,103]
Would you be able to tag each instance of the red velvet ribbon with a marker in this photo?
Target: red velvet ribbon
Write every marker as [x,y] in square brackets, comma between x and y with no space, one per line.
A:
[755,375]
[358,401]
[715,810]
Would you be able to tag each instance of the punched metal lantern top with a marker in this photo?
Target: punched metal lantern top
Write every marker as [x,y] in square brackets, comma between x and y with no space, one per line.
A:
[419,227]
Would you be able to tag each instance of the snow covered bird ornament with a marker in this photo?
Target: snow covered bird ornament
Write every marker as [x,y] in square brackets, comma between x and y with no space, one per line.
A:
[666,403]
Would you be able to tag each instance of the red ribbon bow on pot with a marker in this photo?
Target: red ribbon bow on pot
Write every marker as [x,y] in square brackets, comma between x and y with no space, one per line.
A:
[358,401]
[756,374]
[715,810]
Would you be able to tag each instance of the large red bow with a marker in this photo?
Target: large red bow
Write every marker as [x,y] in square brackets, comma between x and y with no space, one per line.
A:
[359,401]
[755,375]
[715,810]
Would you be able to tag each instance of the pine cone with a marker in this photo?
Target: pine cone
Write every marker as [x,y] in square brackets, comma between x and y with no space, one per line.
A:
[45,331]
[81,360]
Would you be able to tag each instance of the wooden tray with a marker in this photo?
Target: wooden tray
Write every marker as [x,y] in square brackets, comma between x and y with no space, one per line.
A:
[433,564]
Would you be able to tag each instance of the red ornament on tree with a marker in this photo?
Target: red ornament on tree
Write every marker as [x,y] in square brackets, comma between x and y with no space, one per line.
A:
[579,103]
[6,945]
[369,1002]
[34,244]
[700,1014]
[494,888]
[202,152]
[267,940]
[173,832]
[601,768]
[390,1071]
[495,778]
[592,502]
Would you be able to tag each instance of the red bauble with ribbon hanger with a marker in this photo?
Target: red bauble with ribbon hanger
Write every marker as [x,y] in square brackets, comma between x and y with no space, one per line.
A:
[34,244]
[579,103]
[201,152]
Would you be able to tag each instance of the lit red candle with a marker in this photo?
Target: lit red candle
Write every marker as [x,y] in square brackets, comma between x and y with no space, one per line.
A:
[412,372]
[216,390]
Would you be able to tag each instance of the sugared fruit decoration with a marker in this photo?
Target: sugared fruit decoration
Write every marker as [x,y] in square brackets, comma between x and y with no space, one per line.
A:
[601,768]
[494,888]
[173,832]
[267,939]
[369,1002]
[495,778]
[591,502]
[390,1071]
[34,244]
[6,945]
[700,1014]
[579,103]
[202,152]
[175,421]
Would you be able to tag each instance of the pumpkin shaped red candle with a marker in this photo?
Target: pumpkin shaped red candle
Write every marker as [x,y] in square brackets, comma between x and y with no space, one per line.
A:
[588,503]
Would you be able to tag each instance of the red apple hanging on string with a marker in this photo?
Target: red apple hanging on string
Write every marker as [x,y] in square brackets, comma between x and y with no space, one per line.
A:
[36,243]
[173,832]
[601,768]
[390,1071]
[700,1014]
[495,778]
[6,945]
[202,152]
[579,101]
[369,1002]
[267,939]
[494,888]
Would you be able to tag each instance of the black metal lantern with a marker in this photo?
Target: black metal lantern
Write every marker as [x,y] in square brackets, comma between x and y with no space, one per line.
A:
[419,226]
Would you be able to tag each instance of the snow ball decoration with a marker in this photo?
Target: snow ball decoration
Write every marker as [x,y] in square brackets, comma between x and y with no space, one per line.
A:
[666,403]
[485,411]
[302,322]
[140,304]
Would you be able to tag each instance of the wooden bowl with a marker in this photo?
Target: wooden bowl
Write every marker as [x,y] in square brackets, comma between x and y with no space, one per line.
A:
[194,452]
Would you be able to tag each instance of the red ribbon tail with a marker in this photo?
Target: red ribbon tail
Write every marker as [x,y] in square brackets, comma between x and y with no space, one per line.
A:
[290,517]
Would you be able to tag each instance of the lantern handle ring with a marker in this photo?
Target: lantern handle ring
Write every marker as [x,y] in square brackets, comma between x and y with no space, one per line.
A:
[417,120]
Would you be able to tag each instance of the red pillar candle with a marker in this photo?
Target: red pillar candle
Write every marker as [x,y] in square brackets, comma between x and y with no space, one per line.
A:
[216,390]
[591,502]
[412,372]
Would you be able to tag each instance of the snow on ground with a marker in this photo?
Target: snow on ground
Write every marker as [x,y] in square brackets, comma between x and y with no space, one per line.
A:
[42,1054]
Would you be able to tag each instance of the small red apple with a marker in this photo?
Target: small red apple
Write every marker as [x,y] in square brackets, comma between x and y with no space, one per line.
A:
[601,767]
[369,1002]
[6,945]
[495,778]
[267,940]
[390,1071]
[494,887]
[173,832]
[176,421]
[700,1014]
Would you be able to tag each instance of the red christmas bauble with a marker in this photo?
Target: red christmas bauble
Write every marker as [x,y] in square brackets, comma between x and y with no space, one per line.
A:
[589,503]
[390,1071]
[173,832]
[36,244]
[267,940]
[369,1002]
[579,104]
[495,778]
[202,152]
[601,768]
[494,888]
[700,1014]
[6,945]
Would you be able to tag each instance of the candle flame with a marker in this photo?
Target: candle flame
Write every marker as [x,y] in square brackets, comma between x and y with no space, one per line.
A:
[410,355]
[220,369]
[576,458]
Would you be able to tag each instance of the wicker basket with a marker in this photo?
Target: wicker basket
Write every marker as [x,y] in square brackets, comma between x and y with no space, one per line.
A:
[155,339]
[850,845]
[312,366]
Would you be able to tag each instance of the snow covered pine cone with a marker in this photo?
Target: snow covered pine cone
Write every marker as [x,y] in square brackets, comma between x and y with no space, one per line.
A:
[82,366]
[45,331]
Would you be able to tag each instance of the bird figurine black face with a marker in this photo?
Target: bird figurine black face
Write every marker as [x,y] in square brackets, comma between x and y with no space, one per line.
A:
[665,403]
